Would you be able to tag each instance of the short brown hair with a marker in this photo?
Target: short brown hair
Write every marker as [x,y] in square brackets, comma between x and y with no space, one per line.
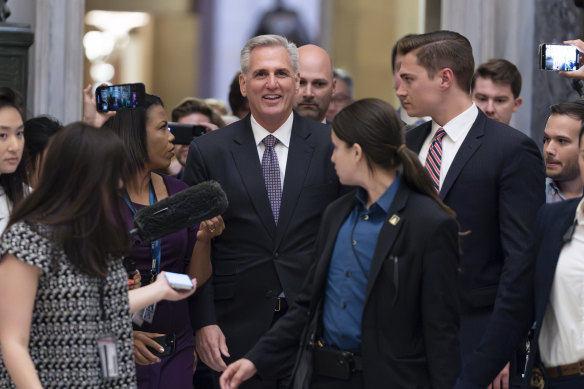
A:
[500,71]
[193,105]
[442,49]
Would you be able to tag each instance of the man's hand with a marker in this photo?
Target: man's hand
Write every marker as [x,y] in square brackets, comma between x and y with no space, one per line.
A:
[237,372]
[578,73]
[141,353]
[502,380]
[210,345]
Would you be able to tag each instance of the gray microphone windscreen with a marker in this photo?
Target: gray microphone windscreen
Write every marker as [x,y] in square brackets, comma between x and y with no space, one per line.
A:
[181,210]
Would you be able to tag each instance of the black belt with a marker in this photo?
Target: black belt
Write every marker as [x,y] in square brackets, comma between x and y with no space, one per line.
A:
[335,363]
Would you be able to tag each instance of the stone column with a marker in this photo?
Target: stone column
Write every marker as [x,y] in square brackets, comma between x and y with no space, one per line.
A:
[59,59]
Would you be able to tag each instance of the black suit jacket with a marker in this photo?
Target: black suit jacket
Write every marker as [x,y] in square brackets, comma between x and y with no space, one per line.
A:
[495,185]
[411,316]
[532,288]
[254,260]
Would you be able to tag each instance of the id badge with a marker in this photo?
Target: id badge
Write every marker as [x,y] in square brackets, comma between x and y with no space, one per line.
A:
[108,356]
[148,314]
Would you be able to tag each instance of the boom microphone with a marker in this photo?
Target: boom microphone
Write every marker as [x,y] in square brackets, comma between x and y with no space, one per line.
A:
[181,210]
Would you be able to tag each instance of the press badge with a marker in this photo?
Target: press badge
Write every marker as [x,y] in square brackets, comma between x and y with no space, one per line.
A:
[108,356]
[148,314]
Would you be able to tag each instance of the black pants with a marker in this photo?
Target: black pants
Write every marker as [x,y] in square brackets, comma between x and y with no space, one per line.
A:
[323,382]
[568,382]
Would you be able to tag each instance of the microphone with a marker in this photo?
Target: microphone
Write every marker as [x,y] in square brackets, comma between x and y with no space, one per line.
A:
[181,210]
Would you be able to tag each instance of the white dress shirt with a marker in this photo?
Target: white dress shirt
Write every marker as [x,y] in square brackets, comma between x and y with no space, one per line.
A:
[456,131]
[5,208]
[281,148]
[561,340]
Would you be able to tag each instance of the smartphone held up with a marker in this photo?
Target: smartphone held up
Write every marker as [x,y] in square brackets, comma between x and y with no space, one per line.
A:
[118,97]
[558,57]
[184,133]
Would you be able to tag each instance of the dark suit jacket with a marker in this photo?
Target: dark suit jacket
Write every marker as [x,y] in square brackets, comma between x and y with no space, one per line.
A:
[495,185]
[411,316]
[254,260]
[532,289]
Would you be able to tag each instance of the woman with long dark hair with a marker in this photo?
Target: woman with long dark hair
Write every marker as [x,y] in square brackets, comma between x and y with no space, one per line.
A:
[63,292]
[13,180]
[379,308]
[149,148]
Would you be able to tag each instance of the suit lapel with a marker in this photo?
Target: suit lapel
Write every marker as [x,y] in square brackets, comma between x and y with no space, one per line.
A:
[245,155]
[469,146]
[324,260]
[299,157]
[415,138]
[549,252]
[387,235]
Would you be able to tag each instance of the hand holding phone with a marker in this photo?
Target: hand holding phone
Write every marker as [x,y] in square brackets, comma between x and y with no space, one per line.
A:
[559,57]
[118,97]
[179,281]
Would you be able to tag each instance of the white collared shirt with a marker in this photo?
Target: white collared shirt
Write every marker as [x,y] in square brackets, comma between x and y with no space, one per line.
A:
[561,340]
[5,208]
[456,130]
[281,148]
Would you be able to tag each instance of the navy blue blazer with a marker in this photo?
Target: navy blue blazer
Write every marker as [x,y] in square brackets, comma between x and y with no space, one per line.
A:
[532,290]
[411,315]
[495,185]
[254,260]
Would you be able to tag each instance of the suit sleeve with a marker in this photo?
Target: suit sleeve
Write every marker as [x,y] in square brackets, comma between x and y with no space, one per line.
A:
[521,194]
[441,305]
[201,304]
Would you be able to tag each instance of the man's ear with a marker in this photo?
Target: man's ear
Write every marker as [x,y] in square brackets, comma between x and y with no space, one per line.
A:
[242,88]
[518,102]
[446,77]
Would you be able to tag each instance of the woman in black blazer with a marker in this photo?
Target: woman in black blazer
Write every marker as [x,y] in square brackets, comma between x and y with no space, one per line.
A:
[379,307]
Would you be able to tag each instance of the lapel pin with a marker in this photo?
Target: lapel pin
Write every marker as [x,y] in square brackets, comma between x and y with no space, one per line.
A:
[394,220]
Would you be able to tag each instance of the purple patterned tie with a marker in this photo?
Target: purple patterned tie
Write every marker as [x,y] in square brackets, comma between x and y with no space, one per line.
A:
[271,172]
[434,158]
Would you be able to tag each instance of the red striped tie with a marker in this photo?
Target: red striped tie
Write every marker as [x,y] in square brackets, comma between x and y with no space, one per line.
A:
[434,158]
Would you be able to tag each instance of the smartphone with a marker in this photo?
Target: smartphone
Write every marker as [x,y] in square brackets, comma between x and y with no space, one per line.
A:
[179,281]
[168,342]
[558,57]
[118,97]
[184,133]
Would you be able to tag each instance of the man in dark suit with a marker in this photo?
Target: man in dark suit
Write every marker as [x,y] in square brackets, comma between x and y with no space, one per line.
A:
[275,168]
[547,292]
[491,175]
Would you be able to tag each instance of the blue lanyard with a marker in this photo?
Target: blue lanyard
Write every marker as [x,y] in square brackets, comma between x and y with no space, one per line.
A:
[155,248]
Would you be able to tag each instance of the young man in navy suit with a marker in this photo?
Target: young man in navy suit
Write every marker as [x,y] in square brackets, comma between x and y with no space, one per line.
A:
[491,175]
[275,168]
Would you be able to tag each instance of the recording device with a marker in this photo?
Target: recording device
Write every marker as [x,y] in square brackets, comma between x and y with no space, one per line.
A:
[179,281]
[184,133]
[118,97]
[168,343]
[181,210]
[558,57]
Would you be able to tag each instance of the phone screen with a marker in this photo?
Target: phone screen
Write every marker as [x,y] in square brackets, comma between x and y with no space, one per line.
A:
[118,97]
[559,57]
[179,281]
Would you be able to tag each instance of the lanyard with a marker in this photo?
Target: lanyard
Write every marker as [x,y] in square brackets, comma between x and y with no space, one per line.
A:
[155,249]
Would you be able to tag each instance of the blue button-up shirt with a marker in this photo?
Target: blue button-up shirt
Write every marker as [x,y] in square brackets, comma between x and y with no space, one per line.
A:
[349,269]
